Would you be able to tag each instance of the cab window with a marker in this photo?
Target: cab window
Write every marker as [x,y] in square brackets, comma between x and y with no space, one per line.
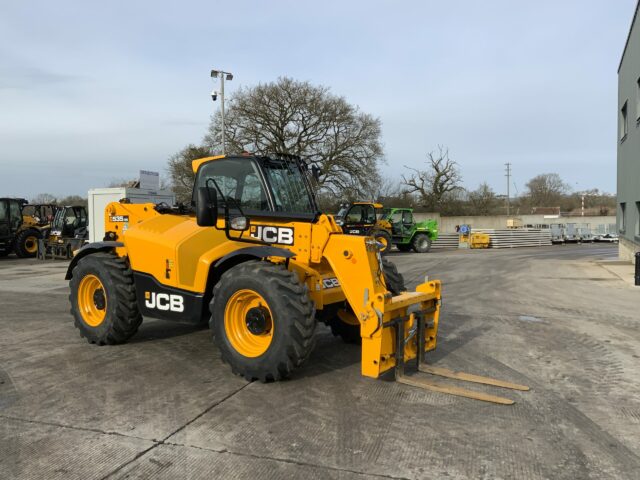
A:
[4,212]
[361,214]
[16,215]
[407,218]
[238,179]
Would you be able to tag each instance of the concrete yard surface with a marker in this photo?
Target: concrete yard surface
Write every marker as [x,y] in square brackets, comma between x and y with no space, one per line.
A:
[164,406]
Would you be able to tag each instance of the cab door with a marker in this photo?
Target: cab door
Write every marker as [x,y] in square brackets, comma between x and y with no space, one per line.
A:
[15,215]
[408,222]
[396,224]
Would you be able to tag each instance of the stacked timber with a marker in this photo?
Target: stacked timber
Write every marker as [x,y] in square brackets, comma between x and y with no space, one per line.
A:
[518,237]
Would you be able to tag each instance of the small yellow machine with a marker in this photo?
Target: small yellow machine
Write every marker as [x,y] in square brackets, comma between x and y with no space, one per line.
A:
[479,240]
[469,239]
[259,262]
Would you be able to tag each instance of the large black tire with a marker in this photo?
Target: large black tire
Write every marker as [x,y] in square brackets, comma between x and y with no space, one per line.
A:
[4,253]
[292,318]
[383,237]
[348,332]
[26,243]
[404,247]
[421,243]
[122,317]
[393,278]
[351,333]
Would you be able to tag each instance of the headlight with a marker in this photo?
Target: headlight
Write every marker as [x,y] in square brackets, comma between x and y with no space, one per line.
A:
[239,223]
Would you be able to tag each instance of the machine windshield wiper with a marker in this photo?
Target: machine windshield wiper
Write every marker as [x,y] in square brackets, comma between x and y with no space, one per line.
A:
[224,199]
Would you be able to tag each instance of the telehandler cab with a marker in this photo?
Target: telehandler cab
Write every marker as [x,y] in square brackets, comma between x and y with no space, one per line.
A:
[365,218]
[262,265]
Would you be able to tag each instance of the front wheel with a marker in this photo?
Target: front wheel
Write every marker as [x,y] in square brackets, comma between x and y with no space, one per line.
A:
[26,244]
[263,320]
[103,299]
[421,243]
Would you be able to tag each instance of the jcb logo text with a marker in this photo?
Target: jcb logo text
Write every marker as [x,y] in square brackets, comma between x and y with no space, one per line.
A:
[281,235]
[164,301]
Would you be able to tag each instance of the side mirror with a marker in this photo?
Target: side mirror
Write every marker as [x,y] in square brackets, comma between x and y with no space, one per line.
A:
[206,207]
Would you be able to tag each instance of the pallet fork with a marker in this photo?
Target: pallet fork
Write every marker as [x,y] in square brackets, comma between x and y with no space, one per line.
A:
[426,383]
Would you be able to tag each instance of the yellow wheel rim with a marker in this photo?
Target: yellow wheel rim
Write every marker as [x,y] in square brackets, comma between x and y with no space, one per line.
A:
[92,301]
[31,244]
[248,323]
[383,241]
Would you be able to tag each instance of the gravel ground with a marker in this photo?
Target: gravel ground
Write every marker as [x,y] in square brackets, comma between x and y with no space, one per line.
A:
[164,406]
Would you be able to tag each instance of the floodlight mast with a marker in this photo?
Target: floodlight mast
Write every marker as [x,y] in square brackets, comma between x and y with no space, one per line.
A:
[223,76]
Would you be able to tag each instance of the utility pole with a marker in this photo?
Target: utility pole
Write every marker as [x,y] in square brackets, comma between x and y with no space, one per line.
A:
[508,175]
[214,95]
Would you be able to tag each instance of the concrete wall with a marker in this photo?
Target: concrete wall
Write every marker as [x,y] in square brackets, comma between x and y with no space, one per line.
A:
[448,224]
[627,250]
[629,146]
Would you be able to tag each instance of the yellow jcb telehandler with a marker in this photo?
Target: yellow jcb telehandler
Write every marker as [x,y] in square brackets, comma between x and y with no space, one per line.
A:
[259,262]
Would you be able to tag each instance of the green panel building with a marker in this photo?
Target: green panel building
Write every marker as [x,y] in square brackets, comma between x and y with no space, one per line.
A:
[628,207]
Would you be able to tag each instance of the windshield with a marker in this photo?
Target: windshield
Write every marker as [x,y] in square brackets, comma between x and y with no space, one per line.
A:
[289,187]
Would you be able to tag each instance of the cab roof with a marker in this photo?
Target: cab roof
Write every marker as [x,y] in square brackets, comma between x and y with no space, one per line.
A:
[196,163]
[375,205]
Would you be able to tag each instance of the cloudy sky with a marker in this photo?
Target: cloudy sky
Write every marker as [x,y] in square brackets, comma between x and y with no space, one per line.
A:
[92,92]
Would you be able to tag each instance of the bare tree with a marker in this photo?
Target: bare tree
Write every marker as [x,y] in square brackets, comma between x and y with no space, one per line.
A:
[121,182]
[482,201]
[289,116]
[383,187]
[180,171]
[546,190]
[441,178]
[43,198]
[73,200]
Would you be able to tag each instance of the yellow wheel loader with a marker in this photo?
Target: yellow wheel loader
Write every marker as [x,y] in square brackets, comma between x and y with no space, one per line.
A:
[258,261]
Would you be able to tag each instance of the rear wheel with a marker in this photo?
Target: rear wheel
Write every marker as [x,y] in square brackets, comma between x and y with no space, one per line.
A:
[103,299]
[421,243]
[383,237]
[26,244]
[263,320]
[350,331]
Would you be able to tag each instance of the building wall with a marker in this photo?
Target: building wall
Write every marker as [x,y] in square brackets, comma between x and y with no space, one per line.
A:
[629,146]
